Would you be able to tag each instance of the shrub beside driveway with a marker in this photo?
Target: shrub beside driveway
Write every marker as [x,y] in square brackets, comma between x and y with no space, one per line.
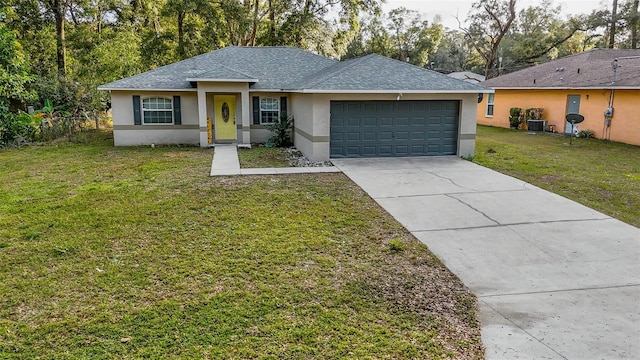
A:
[135,252]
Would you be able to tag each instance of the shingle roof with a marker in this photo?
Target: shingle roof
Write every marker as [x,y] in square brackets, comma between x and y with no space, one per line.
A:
[378,73]
[292,69]
[590,69]
[223,72]
[274,67]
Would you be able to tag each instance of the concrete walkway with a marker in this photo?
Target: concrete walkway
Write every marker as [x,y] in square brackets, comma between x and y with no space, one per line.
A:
[554,279]
[225,162]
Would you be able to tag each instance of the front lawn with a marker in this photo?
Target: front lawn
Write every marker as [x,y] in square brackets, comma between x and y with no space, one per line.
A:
[135,252]
[263,157]
[599,174]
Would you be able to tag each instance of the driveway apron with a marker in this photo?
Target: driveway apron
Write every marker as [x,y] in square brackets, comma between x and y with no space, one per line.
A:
[554,279]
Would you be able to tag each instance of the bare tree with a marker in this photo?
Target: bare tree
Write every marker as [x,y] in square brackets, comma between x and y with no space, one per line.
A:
[490,21]
[612,28]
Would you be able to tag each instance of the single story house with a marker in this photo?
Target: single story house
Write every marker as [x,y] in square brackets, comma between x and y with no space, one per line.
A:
[364,107]
[603,85]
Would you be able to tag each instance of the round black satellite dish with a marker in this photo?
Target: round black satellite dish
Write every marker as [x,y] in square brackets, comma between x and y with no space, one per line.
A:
[575,118]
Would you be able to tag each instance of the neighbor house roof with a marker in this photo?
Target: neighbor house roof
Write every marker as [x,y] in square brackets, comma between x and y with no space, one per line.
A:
[590,69]
[291,69]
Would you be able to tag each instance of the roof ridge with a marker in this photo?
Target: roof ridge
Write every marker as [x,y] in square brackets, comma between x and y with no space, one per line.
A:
[349,64]
[235,70]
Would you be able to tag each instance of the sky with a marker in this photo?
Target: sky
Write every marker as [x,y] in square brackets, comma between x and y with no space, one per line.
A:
[449,8]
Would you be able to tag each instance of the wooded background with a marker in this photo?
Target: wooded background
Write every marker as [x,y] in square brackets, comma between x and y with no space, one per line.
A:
[63,49]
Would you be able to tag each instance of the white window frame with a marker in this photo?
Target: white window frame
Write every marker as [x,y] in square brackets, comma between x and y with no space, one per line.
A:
[144,110]
[490,105]
[266,108]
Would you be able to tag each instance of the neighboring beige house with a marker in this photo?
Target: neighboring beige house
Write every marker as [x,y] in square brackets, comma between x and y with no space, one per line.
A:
[365,107]
[603,85]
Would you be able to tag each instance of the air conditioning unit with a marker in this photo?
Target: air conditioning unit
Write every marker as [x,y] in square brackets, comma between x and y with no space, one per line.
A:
[536,125]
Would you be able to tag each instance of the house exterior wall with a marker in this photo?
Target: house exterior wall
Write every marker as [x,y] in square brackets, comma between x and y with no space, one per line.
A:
[306,136]
[311,114]
[312,119]
[205,109]
[125,133]
[625,125]
[259,133]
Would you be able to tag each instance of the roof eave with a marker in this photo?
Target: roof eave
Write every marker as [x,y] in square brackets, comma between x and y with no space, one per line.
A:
[143,89]
[222,80]
[391,91]
[565,87]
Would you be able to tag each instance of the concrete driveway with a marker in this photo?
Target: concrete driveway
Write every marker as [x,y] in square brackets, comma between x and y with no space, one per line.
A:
[554,279]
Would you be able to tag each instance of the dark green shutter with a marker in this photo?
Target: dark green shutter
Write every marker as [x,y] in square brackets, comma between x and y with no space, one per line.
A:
[256,110]
[283,105]
[177,116]
[137,117]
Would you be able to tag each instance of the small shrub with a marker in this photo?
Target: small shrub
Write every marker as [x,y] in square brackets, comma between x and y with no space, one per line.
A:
[534,113]
[281,132]
[587,134]
[515,117]
[16,129]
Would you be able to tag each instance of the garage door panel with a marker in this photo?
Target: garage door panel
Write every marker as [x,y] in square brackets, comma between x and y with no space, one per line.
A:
[417,149]
[370,107]
[353,122]
[386,121]
[385,135]
[402,136]
[369,121]
[369,136]
[402,121]
[418,121]
[402,150]
[369,151]
[384,106]
[393,128]
[417,136]
[385,150]
[404,106]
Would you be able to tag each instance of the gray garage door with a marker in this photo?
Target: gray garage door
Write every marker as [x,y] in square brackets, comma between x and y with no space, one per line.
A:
[393,128]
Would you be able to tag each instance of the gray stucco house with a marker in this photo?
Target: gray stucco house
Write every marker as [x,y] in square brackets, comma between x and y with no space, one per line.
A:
[365,107]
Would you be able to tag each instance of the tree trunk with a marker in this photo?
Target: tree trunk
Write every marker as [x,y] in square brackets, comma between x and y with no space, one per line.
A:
[495,46]
[614,19]
[272,24]
[181,52]
[634,24]
[61,46]
[254,31]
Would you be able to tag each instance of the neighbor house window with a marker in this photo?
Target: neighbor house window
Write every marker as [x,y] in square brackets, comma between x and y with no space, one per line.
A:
[269,110]
[157,110]
[490,105]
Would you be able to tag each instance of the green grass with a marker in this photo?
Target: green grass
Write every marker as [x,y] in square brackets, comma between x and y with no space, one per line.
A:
[262,157]
[599,174]
[135,252]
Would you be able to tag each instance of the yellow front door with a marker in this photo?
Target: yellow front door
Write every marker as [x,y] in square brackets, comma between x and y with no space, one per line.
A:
[225,108]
